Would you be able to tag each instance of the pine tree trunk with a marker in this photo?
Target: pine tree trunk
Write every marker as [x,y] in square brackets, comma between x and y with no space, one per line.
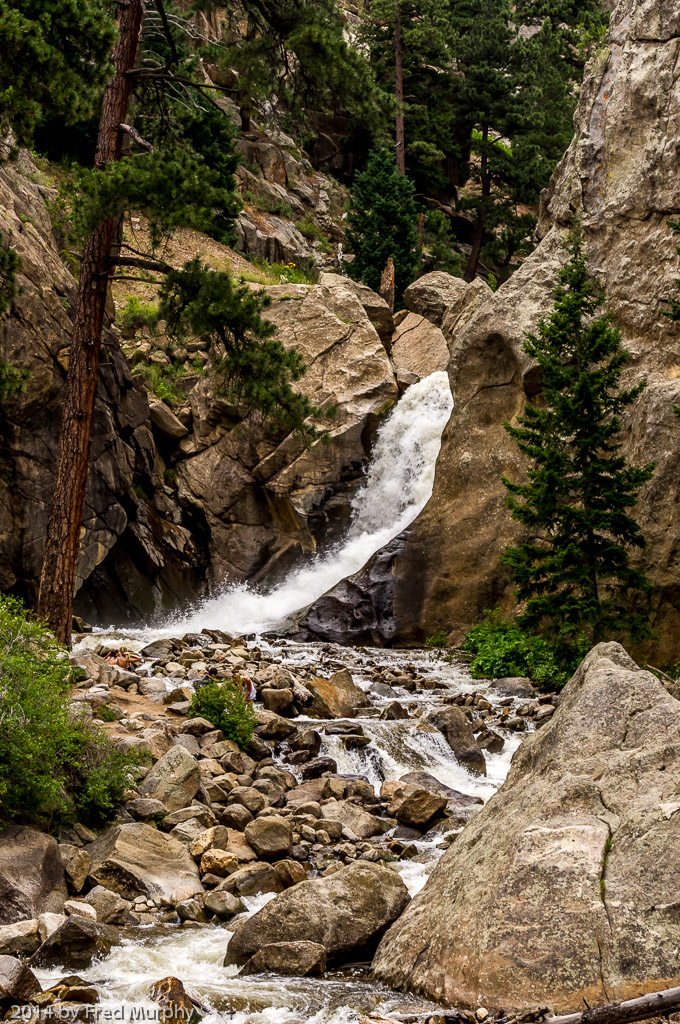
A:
[64,524]
[478,240]
[399,91]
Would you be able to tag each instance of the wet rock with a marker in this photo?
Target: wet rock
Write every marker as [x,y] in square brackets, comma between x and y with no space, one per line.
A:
[32,880]
[252,879]
[343,912]
[109,906]
[308,740]
[171,996]
[224,904]
[191,910]
[459,736]
[270,837]
[174,780]
[453,796]
[315,768]
[75,943]
[288,958]
[394,711]
[416,807]
[76,865]
[273,727]
[337,697]
[18,984]
[560,889]
[137,860]
[20,937]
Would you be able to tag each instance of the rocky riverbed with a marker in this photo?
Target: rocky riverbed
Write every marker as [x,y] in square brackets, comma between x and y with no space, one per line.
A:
[262,879]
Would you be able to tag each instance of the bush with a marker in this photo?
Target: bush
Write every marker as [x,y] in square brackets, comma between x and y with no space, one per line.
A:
[55,766]
[505,649]
[224,705]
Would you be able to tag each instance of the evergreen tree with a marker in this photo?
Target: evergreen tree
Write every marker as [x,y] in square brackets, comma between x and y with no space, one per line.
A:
[574,571]
[382,223]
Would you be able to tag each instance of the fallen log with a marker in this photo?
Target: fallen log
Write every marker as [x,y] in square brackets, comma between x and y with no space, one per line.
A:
[654,1004]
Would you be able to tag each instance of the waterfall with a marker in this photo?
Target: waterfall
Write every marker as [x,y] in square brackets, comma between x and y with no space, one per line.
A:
[398,484]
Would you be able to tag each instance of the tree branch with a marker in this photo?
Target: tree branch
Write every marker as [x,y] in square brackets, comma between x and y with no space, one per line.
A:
[134,134]
[652,1005]
[159,266]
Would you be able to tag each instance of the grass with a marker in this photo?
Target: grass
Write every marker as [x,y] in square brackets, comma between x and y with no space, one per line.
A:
[278,273]
[136,313]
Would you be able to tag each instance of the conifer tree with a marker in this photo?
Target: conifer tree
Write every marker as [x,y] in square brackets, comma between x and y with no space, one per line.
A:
[382,223]
[574,571]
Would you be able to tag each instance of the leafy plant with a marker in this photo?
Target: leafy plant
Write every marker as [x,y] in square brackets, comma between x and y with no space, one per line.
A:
[501,648]
[308,228]
[224,704]
[54,764]
[136,314]
[439,639]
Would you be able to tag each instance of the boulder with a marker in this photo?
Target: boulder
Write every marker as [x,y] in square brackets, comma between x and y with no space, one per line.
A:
[562,890]
[48,923]
[108,905]
[459,736]
[75,943]
[270,837]
[433,294]
[165,421]
[223,904]
[79,908]
[76,865]
[20,937]
[252,879]
[32,880]
[513,686]
[343,912]
[174,779]
[138,860]
[355,818]
[174,1001]
[416,807]
[18,984]
[419,347]
[291,958]
[337,697]
[453,797]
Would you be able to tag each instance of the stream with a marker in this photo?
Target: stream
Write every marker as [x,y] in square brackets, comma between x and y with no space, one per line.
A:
[398,483]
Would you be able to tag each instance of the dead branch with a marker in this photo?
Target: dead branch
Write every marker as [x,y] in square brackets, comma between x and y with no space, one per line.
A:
[654,1004]
[134,134]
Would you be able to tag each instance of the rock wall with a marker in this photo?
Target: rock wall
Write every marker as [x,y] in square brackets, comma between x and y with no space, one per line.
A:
[240,502]
[563,888]
[621,177]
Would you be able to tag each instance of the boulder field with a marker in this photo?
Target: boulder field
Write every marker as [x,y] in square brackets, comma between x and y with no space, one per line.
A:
[563,889]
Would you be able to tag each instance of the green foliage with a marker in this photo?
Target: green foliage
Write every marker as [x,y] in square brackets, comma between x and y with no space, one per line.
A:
[438,245]
[165,382]
[382,223]
[257,370]
[308,228]
[224,704]
[439,639]
[54,57]
[278,207]
[279,273]
[574,571]
[136,313]
[502,649]
[10,264]
[54,765]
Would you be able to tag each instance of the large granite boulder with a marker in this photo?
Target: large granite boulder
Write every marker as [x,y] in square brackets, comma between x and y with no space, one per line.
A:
[432,295]
[419,347]
[563,889]
[621,176]
[337,697]
[174,779]
[32,879]
[343,912]
[138,860]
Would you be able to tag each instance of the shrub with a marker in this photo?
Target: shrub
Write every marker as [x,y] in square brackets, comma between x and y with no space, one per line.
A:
[224,705]
[55,765]
[504,649]
[136,314]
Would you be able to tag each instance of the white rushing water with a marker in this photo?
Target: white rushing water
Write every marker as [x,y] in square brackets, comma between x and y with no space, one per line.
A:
[398,484]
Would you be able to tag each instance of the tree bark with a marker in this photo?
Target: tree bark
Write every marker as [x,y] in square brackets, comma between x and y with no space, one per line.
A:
[387,284]
[400,148]
[478,240]
[643,1007]
[64,523]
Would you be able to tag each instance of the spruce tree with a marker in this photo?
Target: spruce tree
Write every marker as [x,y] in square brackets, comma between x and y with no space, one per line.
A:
[573,572]
[382,223]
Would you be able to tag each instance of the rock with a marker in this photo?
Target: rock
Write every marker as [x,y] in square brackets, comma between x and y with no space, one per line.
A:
[146,808]
[223,904]
[289,958]
[48,924]
[165,421]
[317,766]
[345,911]
[433,294]
[18,984]
[75,943]
[20,937]
[174,780]
[416,807]
[236,816]
[459,736]
[514,686]
[80,909]
[419,347]
[562,887]
[171,996]
[32,880]
[377,310]
[394,711]
[108,905]
[76,865]
[355,818]
[337,697]
[453,797]
[252,879]
[137,860]
[250,798]
[270,837]
[289,872]
[218,862]
[278,701]
[273,727]
[314,790]
[214,838]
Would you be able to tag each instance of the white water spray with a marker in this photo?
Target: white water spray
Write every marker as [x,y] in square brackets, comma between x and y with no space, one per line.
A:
[398,484]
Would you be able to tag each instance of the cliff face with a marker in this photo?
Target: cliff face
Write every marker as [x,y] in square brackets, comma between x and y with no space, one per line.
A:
[621,177]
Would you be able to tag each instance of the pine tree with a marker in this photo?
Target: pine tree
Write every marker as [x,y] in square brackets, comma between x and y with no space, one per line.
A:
[382,223]
[574,571]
